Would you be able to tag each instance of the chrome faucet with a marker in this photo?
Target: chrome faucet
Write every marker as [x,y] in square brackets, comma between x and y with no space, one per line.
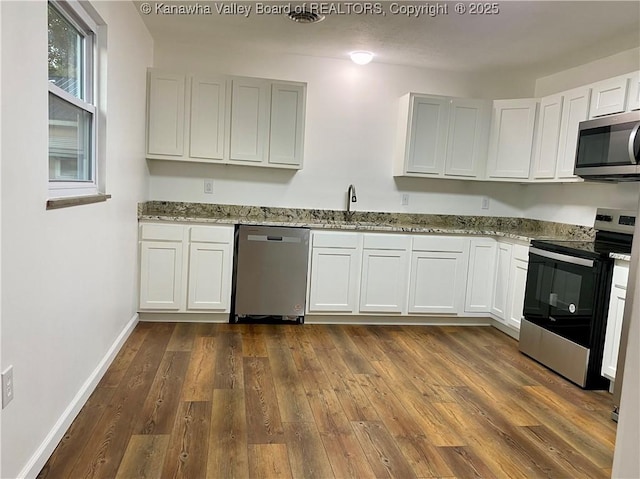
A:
[351,197]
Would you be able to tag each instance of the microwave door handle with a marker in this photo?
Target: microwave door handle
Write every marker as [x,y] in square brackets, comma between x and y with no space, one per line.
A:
[632,140]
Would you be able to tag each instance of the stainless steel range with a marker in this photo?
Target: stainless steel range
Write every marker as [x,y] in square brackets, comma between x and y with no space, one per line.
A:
[567,299]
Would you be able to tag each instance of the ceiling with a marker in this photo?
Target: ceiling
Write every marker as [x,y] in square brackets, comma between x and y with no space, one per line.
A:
[541,36]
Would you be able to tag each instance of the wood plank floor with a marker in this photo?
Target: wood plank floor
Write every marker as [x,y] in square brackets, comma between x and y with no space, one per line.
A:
[322,401]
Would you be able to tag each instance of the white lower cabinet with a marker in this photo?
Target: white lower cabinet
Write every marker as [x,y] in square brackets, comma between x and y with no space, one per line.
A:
[482,265]
[438,274]
[512,262]
[517,283]
[385,261]
[209,273]
[160,275]
[614,319]
[334,272]
[501,281]
[185,268]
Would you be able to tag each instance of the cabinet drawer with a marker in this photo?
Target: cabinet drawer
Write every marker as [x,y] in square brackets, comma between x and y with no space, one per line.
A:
[161,232]
[211,234]
[440,243]
[326,239]
[621,275]
[520,252]
[386,241]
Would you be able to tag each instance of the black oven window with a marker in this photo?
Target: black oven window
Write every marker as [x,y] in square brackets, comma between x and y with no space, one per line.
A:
[560,297]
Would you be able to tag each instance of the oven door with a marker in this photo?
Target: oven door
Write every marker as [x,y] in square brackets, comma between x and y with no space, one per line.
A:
[560,294]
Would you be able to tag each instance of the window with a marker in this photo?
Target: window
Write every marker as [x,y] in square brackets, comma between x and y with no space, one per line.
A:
[73,108]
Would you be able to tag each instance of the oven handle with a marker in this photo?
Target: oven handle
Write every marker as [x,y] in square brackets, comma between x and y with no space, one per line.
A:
[562,257]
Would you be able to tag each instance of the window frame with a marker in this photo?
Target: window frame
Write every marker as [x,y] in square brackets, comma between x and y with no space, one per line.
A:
[93,41]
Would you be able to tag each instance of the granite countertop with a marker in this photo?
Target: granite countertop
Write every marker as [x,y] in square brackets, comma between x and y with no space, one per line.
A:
[515,228]
[620,256]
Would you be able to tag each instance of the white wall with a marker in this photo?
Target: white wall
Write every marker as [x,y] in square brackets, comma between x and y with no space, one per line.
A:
[351,122]
[69,275]
[607,67]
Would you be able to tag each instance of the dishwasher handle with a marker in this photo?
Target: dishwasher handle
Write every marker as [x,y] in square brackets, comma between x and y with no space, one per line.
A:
[279,239]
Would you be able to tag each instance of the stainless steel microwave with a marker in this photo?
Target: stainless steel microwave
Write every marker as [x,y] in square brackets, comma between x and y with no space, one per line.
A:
[609,148]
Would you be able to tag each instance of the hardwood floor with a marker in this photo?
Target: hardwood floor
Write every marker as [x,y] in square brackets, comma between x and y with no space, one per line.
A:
[323,401]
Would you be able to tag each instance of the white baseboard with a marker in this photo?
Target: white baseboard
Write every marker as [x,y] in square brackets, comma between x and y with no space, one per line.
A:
[508,330]
[162,317]
[397,320]
[42,454]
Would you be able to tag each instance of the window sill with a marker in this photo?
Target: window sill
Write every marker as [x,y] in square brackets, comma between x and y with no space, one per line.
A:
[56,203]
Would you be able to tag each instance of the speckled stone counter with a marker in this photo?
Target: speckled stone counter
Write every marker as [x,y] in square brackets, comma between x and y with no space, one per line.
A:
[515,228]
[620,256]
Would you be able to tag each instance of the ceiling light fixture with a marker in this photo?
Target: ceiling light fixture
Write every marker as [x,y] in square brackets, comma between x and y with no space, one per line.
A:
[361,58]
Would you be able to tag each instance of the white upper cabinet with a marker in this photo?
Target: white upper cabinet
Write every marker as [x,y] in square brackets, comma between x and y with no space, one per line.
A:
[427,139]
[442,136]
[208,121]
[230,120]
[575,109]
[286,133]
[609,96]
[547,137]
[250,105]
[267,123]
[166,108]
[634,92]
[468,137]
[511,138]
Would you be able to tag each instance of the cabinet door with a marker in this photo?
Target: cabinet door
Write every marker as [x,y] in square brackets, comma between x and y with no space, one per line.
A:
[249,120]
[334,280]
[286,136]
[208,117]
[515,294]
[482,264]
[614,331]
[165,121]
[437,281]
[467,138]
[428,135]
[501,282]
[575,109]
[384,281]
[511,138]
[634,92]
[547,138]
[209,276]
[160,275]
[608,96]
[614,321]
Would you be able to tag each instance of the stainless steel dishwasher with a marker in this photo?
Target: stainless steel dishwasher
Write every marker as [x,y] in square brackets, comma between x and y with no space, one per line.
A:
[270,270]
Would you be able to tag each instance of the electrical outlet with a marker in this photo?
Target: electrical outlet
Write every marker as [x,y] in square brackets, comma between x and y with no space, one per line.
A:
[208,187]
[405,199]
[7,386]
[485,203]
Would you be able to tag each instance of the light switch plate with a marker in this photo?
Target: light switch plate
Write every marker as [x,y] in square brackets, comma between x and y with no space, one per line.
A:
[485,203]
[208,187]
[405,199]
[7,386]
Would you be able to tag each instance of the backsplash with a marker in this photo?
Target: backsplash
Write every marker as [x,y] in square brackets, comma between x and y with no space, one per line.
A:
[519,227]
